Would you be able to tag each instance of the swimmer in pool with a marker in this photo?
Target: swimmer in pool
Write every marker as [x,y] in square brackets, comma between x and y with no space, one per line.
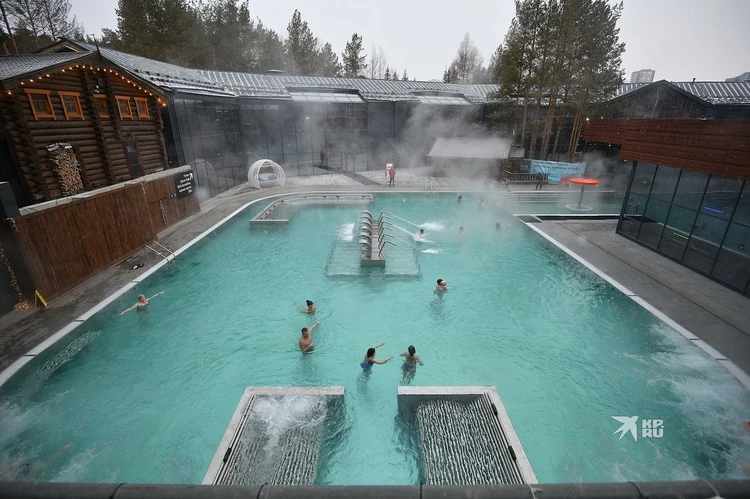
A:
[370,359]
[498,226]
[442,286]
[411,359]
[305,341]
[142,303]
[461,231]
[310,307]
[460,198]
[481,202]
[420,235]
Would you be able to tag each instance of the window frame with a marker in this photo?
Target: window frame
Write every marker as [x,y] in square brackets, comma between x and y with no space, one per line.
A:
[147,115]
[30,92]
[75,95]
[122,98]
[101,98]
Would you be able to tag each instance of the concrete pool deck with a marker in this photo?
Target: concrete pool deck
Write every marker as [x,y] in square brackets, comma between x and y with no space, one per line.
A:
[715,314]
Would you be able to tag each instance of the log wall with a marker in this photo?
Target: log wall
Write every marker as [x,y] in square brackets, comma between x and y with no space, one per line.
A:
[97,141]
[711,146]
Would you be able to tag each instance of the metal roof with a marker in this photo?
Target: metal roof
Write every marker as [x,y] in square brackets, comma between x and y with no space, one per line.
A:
[712,92]
[275,85]
[471,148]
[13,66]
[161,74]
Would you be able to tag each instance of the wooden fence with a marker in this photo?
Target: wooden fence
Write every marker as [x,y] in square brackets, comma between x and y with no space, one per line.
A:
[63,245]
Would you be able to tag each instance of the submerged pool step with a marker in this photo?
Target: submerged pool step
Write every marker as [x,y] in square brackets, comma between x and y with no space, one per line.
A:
[275,436]
[465,436]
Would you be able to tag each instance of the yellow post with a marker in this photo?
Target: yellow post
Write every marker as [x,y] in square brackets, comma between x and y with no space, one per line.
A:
[37,294]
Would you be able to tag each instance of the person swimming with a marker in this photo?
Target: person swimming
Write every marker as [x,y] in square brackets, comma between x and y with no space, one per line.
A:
[420,235]
[460,199]
[305,341]
[411,359]
[310,307]
[498,226]
[442,286]
[461,231]
[142,303]
[370,359]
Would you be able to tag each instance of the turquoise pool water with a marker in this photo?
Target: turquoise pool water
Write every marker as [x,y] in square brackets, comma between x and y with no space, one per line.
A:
[146,398]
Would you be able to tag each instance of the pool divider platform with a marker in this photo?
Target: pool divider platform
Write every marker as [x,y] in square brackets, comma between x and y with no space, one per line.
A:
[282,210]
[465,436]
[275,436]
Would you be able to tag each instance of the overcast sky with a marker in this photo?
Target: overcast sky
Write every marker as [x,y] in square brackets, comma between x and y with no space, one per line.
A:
[680,39]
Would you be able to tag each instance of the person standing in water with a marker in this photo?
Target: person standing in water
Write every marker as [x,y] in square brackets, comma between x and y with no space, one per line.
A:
[410,359]
[305,341]
[442,286]
[420,235]
[481,202]
[310,307]
[461,231]
[460,199]
[142,303]
[370,359]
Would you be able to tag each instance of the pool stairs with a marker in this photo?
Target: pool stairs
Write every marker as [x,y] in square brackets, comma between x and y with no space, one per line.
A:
[373,250]
[458,434]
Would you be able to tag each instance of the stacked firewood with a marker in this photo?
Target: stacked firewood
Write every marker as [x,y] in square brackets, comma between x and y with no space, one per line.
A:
[65,164]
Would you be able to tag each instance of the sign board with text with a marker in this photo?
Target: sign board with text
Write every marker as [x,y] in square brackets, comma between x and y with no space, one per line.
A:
[184,184]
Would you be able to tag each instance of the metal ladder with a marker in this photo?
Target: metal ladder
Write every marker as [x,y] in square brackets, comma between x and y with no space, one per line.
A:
[159,253]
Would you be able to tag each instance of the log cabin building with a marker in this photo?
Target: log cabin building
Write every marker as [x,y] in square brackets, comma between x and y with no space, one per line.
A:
[72,122]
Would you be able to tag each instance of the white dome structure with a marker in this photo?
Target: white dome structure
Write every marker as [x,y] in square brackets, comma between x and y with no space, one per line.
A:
[265,173]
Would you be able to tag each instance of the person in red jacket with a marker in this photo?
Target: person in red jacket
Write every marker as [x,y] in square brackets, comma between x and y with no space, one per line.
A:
[392,175]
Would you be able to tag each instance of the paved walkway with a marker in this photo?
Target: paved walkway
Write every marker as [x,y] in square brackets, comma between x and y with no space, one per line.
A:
[712,312]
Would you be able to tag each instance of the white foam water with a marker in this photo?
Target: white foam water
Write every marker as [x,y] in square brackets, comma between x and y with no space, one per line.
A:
[433,226]
[345,232]
[434,251]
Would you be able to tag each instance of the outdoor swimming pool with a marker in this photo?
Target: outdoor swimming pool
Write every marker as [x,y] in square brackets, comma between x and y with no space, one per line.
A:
[146,398]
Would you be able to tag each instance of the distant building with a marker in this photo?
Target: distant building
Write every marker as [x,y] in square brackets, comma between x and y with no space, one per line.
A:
[642,76]
[741,78]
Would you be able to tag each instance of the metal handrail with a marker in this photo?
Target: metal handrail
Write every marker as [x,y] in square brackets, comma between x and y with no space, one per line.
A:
[164,248]
[158,253]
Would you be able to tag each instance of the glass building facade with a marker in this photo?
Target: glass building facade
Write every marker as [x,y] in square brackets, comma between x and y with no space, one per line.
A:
[697,219]
[310,133]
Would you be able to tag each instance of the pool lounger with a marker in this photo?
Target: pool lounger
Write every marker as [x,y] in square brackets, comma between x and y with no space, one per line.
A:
[275,436]
[465,436]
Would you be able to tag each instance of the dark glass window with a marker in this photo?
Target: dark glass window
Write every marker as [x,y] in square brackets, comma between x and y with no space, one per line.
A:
[721,196]
[690,189]
[705,241]
[733,264]
[653,222]
[677,232]
[742,212]
[644,177]
[665,183]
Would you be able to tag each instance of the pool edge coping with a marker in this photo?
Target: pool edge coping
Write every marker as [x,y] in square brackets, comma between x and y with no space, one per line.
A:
[7,373]
[719,357]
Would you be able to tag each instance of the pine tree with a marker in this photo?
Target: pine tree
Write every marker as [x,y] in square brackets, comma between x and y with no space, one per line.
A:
[301,47]
[405,77]
[353,58]
[387,75]
[328,64]
[394,76]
